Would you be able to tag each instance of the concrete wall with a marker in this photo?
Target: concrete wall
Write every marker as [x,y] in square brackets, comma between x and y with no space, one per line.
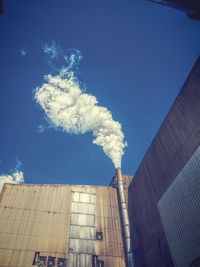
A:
[60,221]
[176,141]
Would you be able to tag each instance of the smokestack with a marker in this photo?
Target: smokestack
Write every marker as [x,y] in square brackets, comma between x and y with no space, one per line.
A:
[125,218]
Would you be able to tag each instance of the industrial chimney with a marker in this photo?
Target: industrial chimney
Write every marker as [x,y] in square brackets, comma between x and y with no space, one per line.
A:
[125,218]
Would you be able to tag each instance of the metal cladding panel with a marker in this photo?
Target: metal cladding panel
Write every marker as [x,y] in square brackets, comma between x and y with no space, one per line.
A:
[173,145]
[82,232]
[33,218]
[83,197]
[82,219]
[37,218]
[180,213]
[21,258]
[85,208]
[83,246]
[108,222]
[80,260]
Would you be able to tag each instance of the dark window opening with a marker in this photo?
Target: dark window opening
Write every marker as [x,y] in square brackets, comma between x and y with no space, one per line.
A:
[41,261]
[99,236]
[62,262]
[100,263]
[96,262]
[51,261]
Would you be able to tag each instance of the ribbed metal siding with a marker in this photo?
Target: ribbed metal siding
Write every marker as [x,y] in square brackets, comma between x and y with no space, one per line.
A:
[37,218]
[180,213]
[33,218]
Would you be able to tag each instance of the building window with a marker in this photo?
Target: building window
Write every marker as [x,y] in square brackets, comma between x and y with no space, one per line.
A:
[51,261]
[99,236]
[62,262]
[96,262]
[100,263]
[41,261]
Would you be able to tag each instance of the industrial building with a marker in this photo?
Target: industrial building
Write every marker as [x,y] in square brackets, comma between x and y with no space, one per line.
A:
[164,196]
[60,225]
[88,226]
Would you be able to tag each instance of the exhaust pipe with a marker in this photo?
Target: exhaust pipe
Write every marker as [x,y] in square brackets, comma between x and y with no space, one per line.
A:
[125,218]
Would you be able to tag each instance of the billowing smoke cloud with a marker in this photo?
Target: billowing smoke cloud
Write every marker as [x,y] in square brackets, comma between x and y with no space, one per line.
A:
[16,177]
[74,111]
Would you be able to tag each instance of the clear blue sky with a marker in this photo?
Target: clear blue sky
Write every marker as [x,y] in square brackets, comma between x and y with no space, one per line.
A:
[136,57]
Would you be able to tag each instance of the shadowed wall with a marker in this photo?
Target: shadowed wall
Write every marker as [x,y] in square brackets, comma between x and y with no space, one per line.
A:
[171,152]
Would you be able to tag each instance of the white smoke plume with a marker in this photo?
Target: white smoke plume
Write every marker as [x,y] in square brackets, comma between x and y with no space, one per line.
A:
[74,111]
[16,177]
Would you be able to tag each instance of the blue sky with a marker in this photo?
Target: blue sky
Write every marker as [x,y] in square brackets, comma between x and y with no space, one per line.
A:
[136,56]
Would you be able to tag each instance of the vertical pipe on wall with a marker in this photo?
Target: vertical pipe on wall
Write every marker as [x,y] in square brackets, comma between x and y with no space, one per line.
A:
[125,218]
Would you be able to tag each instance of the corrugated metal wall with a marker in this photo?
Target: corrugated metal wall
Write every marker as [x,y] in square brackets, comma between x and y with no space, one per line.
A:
[33,218]
[180,213]
[57,221]
[173,145]
[108,221]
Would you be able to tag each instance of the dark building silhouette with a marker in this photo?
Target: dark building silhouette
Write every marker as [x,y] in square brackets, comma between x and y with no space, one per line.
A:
[1,7]
[164,195]
[191,7]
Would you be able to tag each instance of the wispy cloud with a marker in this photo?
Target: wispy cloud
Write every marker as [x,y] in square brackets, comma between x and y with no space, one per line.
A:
[23,52]
[73,58]
[16,177]
[53,50]
[41,128]
[69,108]
[18,164]
[60,60]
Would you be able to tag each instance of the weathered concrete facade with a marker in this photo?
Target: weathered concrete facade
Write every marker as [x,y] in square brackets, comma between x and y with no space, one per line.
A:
[63,224]
[164,202]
